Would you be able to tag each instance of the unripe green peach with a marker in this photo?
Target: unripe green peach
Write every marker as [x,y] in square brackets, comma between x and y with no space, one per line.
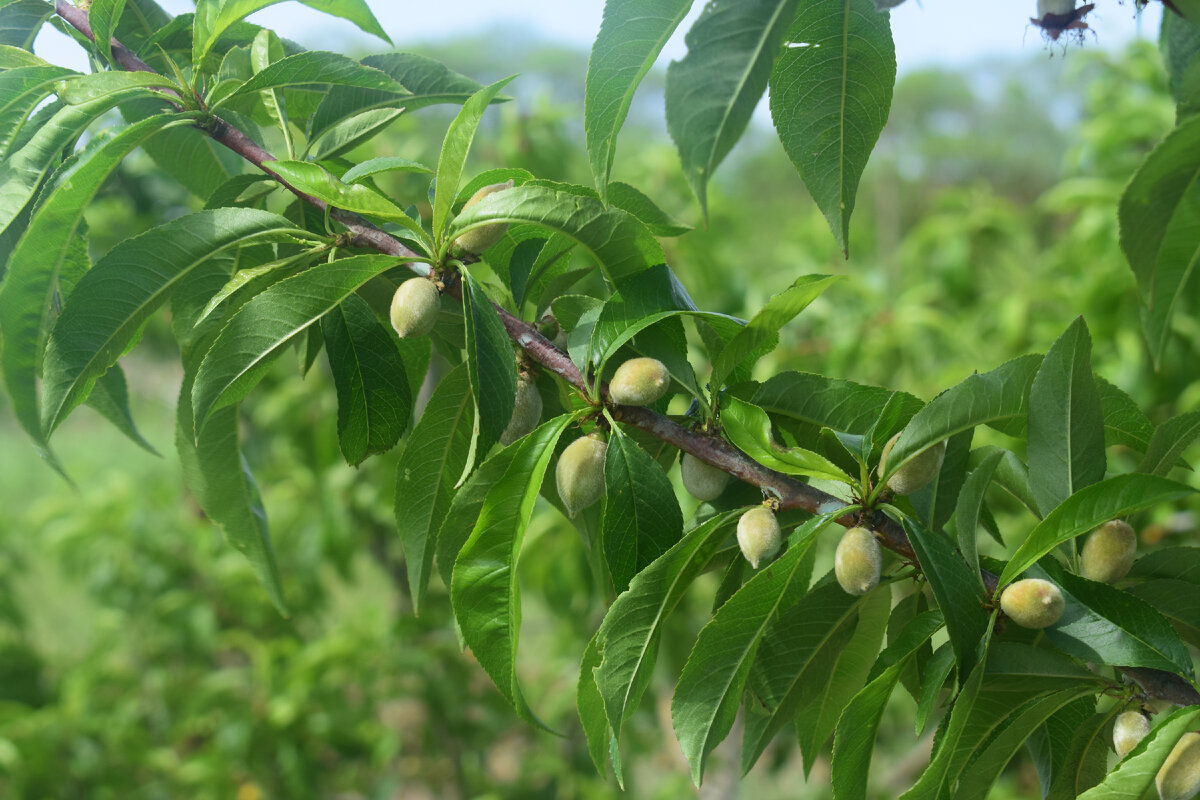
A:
[415,307]
[639,382]
[477,240]
[857,561]
[917,471]
[1109,552]
[527,412]
[580,473]
[1179,777]
[702,481]
[1033,603]
[758,535]
[1129,729]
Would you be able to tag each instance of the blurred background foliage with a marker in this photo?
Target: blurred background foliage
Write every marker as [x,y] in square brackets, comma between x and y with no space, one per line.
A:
[140,659]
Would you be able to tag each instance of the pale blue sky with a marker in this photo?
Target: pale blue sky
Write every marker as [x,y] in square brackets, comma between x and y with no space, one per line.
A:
[926,31]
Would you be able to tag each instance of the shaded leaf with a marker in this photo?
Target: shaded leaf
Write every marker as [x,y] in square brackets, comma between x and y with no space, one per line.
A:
[1135,773]
[490,364]
[1170,439]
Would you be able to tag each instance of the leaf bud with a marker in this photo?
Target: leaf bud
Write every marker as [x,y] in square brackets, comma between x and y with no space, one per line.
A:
[857,561]
[758,535]
[527,412]
[580,473]
[476,240]
[415,307]
[1109,552]
[702,481]
[1179,777]
[1129,729]
[639,382]
[1033,603]
[917,471]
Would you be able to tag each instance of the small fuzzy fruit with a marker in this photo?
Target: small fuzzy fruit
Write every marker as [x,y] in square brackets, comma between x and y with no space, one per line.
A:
[1179,778]
[415,307]
[527,412]
[1109,552]
[639,382]
[857,561]
[702,481]
[758,535]
[1033,603]
[477,240]
[580,473]
[917,471]
[1130,728]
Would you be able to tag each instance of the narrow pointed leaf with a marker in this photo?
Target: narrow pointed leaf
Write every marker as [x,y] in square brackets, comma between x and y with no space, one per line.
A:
[484,590]
[1170,439]
[215,17]
[970,503]
[831,92]
[831,403]
[460,519]
[1088,508]
[1134,775]
[749,429]
[114,299]
[21,91]
[243,351]
[631,36]
[110,398]
[591,708]
[319,68]
[1124,421]
[103,16]
[712,92]
[20,21]
[631,199]
[490,363]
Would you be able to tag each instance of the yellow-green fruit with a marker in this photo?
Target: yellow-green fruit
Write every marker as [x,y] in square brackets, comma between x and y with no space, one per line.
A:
[758,535]
[1179,777]
[580,473]
[702,481]
[479,239]
[1033,603]
[1129,729]
[415,307]
[916,472]
[639,382]
[1109,552]
[857,561]
[527,413]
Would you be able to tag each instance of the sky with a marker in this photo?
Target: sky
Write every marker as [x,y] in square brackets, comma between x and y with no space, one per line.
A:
[926,32]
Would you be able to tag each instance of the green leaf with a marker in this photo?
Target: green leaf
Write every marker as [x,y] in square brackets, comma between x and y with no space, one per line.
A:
[989,398]
[1170,439]
[830,403]
[712,92]
[854,740]
[429,82]
[266,49]
[219,478]
[970,503]
[957,589]
[190,156]
[749,429]
[112,301]
[20,22]
[937,671]
[468,501]
[454,151]
[21,91]
[86,89]
[15,58]
[1106,625]
[590,705]
[313,179]
[631,199]
[1159,218]
[641,517]
[631,36]
[103,16]
[618,242]
[318,68]
[490,363]
[432,460]
[381,165]
[710,687]
[847,672]
[242,352]
[1085,762]
[33,273]
[1178,601]
[1124,422]
[935,502]
[110,398]
[1180,563]
[629,635]
[215,17]
[1014,667]
[484,589]
[372,387]
[1135,773]
[778,311]
[1089,507]
[1066,426]
[831,91]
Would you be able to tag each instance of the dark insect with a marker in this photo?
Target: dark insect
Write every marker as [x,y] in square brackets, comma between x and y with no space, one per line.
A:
[1055,25]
